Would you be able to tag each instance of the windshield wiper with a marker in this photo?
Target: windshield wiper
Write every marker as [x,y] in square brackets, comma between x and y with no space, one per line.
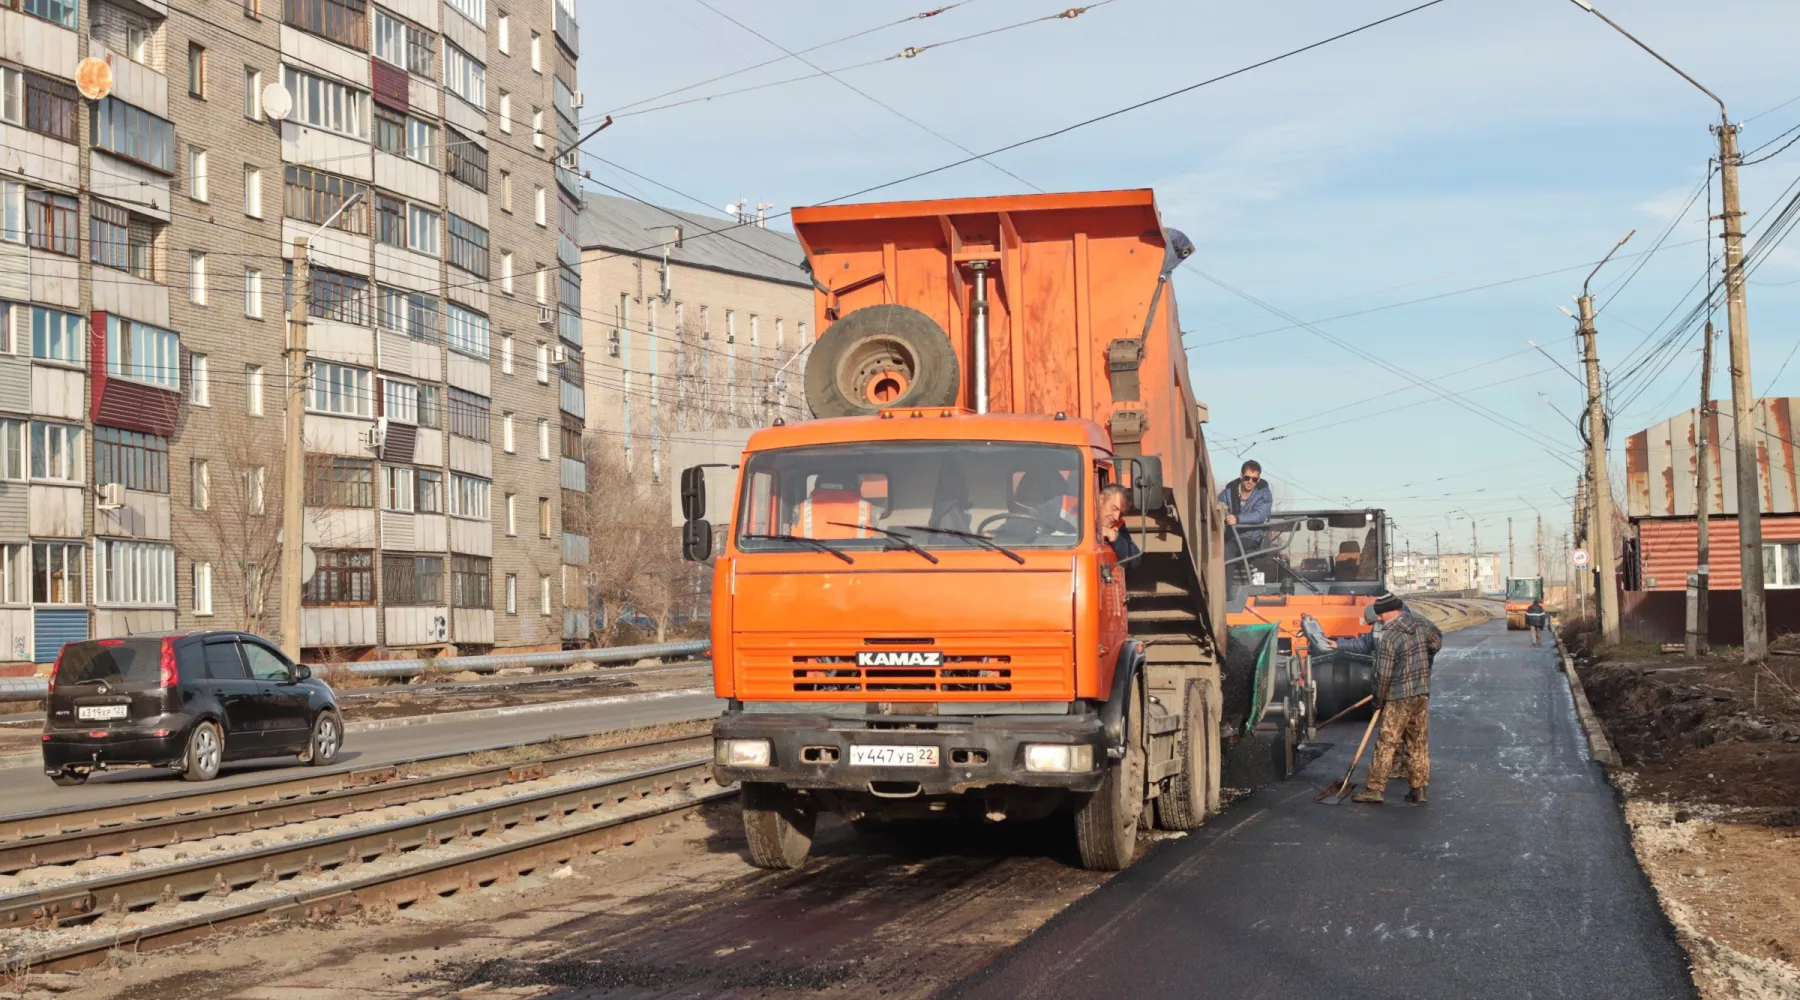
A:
[983,539]
[814,542]
[905,542]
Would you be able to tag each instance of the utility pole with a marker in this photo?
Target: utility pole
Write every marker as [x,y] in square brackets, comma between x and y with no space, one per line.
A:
[1474,557]
[1510,568]
[1743,399]
[1540,549]
[1437,562]
[1699,635]
[1602,556]
[1580,529]
[294,455]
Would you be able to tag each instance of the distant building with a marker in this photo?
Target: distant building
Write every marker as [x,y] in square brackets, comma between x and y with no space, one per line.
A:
[1460,571]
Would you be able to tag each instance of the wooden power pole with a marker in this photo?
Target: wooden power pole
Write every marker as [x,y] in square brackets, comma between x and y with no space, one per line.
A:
[1601,500]
[294,457]
[1743,402]
[1511,570]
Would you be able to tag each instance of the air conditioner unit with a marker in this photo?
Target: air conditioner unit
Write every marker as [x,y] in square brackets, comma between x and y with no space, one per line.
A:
[112,496]
[576,100]
[546,315]
[612,349]
[559,355]
[378,434]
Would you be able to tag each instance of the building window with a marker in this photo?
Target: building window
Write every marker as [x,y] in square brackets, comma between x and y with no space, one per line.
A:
[506,354]
[542,207]
[403,135]
[58,573]
[414,313]
[12,449]
[390,221]
[334,481]
[429,496]
[543,594]
[197,173]
[471,581]
[506,433]
[125,130]
[199,477]
[315,196]
[136,460]
[512,593]
[476,11]
[571,440]
[503,34]
[506,112]
[466,161]
[253,293]
[465,76]
[469,496]
[397,482]
[468,246]
[342,21]
[339,389]
[543,517]
[543,439]
[1781,565]
[537,52]
[506,190]
[253,86]
[431,406]
[326,104]
[15,573]
[55,452]
[199,380]
[63,12]
[338,296]
[537,127]
[12,211]
[405,45]
[137,42]
[469,415]
[143,353]
[506,272]
[252,191]
[543,364]
[512,514]
[196,70]
[400,401]
[141,573]
[197,277]
[341,578]
[51,222]
[253,390]
[466,331]
[203,589]
[119,239]
[411,579]
[50,107]
[422,230]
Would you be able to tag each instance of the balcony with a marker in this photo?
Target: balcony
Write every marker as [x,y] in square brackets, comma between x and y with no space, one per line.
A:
[574,403]
[567,31]
[574,475]
[574,550]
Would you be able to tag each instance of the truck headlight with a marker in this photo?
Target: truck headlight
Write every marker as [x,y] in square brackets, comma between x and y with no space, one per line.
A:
[1061,758]
[741,753]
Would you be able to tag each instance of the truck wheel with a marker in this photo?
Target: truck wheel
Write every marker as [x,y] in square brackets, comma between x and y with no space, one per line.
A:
[1183,805]
[1106,821]
[881,356]
[778,827]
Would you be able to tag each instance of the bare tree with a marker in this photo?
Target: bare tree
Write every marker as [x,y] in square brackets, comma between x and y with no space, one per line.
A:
[634,551]
[233,524]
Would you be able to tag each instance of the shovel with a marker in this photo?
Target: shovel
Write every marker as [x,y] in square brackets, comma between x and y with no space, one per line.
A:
[1342,788]
[1365,700]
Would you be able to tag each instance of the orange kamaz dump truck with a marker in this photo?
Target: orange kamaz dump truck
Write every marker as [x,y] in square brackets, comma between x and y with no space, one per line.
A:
[914,610]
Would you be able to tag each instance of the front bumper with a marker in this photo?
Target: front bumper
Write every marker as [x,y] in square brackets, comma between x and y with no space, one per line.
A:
[974,752]
[120,747]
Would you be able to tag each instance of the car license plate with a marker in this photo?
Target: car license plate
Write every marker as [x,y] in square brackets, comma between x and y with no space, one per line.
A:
[102,711]
[865,756]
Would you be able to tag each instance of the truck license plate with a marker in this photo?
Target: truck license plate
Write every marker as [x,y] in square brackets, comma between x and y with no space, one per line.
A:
[102,711]
[862,756]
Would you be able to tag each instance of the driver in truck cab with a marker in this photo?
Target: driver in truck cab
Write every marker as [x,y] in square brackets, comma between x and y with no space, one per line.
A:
[836,500]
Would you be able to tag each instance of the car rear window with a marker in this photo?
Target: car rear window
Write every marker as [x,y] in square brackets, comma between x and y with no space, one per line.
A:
[112,661]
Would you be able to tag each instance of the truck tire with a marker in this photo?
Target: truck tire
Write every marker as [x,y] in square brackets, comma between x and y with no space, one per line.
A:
[1106,821]
[778,827]
[881,356]
[1184,805]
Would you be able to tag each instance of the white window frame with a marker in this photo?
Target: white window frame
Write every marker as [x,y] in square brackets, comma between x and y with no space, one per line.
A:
[253,191]
[543,207]
[512,514]
[506,272]
[503,33]
[12,96]
[422,226]
[543,364]
[12,211]
[60,449]
[506,112]
[327,104]
[469,496]
[506,433]
[339,389]
[131,573]
[15,573]
[465,330]
[14,457]
[537,52]
[543,594]
[253,87]
[203,603]
[253,390]
[253,293]
[200,479]
[464,75]
[537,127]
[197,277]
[155,353]
[197,186]
[400,401]
[199,380]
[506,354]
[398,483]
[543,439]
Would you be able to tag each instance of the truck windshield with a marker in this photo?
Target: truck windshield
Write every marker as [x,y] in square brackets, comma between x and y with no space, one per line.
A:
[1334,547]
[1528,588]
[1022,496]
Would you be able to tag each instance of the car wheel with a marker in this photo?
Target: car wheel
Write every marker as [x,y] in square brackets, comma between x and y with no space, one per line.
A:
[327,739]
[205,751]
[69,776]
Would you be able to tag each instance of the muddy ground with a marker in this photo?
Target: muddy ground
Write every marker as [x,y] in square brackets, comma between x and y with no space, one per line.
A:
[1711,774]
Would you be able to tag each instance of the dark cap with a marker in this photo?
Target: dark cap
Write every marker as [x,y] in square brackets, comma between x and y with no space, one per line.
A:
[1388,601]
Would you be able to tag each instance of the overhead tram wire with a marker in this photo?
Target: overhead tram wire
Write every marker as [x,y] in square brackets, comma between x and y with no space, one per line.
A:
[1675,220]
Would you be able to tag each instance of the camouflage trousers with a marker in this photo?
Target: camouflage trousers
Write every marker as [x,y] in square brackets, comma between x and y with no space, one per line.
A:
[1406,723]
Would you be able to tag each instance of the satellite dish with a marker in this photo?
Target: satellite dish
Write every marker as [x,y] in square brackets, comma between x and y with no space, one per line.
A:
[277,102]
[309,563]
[94,78]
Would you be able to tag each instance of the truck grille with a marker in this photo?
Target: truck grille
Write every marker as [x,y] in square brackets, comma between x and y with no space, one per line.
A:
[959,673]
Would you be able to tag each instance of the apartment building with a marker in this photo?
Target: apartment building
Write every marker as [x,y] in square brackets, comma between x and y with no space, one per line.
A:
[690,332]
[147,252]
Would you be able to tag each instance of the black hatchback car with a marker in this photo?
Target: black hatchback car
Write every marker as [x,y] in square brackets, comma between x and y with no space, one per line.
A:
[187,701]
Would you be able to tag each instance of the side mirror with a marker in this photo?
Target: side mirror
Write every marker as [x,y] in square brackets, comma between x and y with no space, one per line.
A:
[302,672]
[696,535]
[693,493]
[1146,484]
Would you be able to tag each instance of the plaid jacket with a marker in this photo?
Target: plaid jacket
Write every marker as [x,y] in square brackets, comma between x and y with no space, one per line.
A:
[1403,657]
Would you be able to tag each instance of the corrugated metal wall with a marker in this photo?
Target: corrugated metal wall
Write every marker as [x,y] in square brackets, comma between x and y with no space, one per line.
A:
[1668,549]
[1659,462]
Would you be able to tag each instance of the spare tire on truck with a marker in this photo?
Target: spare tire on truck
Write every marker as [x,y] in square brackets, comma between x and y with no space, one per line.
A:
[881,356]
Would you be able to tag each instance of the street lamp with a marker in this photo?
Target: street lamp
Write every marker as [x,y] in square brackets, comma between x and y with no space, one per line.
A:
[1743,399]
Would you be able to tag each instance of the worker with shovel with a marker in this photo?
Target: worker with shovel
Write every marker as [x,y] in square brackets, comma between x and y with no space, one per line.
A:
[1402,695]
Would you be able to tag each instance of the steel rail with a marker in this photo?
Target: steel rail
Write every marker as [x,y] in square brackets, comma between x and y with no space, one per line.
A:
[400,889]
[213,798]
[128,892]
[177,829]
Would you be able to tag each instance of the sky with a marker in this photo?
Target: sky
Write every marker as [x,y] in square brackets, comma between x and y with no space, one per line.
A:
[1399,210]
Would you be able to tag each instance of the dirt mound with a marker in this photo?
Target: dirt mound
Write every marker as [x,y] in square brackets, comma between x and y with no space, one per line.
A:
[1714,731]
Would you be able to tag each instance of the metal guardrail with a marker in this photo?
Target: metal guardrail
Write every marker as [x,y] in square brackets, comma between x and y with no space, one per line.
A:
[38,687]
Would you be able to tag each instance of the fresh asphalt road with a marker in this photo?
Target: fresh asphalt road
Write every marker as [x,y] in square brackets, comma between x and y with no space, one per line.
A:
[26,789]
[1517,880]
